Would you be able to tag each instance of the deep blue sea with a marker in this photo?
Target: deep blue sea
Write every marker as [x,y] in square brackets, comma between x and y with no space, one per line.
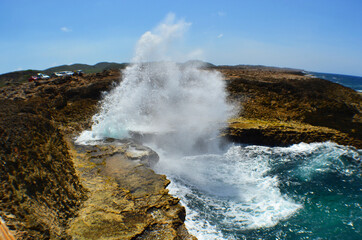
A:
[353,82]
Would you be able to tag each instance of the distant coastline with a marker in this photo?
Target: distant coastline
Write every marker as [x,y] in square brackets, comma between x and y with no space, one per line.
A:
[354,82]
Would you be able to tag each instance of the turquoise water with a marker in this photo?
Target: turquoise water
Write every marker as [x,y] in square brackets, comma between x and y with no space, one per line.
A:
[353,82]
[306,191]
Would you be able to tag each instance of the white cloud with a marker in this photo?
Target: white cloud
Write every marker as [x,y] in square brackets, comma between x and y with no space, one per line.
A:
[220,35]
[65,29]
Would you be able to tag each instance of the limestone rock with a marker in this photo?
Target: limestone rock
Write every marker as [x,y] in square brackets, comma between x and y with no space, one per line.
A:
[127,200]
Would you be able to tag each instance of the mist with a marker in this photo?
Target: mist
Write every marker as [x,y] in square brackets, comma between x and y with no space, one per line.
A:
[176,107]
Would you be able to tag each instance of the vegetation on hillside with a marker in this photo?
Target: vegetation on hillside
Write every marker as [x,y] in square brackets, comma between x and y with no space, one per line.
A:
[23,76]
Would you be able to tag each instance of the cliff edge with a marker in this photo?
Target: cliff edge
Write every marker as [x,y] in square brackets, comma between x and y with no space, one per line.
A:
[53,189]
[280,107]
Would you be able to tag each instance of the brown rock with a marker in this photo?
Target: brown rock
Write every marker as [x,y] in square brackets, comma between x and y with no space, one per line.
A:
[282,95]
[127,200]
[41,190]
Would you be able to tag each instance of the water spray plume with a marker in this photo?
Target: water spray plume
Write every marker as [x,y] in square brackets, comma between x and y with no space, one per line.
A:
[179,105]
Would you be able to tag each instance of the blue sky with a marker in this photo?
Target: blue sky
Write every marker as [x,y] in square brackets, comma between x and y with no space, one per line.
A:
[315,35]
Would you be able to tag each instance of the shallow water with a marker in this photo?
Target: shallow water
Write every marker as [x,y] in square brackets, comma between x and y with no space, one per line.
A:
[306,191]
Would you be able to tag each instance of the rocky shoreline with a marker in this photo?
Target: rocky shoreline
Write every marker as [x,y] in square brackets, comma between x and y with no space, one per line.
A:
[54,189]
[280,107]
[126,200]
[106,190]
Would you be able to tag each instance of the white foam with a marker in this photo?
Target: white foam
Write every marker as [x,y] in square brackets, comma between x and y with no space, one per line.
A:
[195,224]
[317,158]
[234,189]
[238,190]
[87,138]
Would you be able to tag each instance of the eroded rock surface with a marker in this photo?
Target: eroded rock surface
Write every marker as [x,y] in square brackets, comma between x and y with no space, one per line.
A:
[39,190]
[280,133]
[127,200]
[283,106]
[117,195]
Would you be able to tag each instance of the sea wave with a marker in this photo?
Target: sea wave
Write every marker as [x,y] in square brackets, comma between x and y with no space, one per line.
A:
[246,188]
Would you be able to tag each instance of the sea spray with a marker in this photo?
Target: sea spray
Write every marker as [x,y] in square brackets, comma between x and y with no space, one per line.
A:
[179,106]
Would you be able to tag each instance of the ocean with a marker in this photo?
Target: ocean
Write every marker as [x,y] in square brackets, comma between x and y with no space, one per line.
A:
[353,82]
[305,191]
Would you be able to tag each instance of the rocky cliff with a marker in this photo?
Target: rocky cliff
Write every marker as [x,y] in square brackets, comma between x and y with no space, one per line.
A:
[53,189]
[283,107]
[39,188]
[127,199]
